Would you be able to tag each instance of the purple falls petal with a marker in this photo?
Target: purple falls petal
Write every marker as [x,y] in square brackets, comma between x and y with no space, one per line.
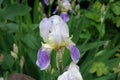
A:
[43,59]
[75,54]
[64,16]
[46,2]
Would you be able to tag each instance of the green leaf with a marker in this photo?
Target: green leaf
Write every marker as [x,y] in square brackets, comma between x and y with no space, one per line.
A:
[36,13]
[99,72]
[30,66]
[113,63]
[34,26]
[85,34]
[117,21]
[9,27]
[8,62]
[97,6]
[53,59]
[107,77]
[1,2]
[66,58]
[91,48]
[99,68]
[11,11]
[92,69]
[30,41]
[2,14]
[106,53]
[101,29]
[92,45]
[115,7]
[93,15]
[80,25]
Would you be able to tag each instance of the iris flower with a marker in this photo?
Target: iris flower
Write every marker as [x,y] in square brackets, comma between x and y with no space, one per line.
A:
[55,34]
[64,6]
[71,74]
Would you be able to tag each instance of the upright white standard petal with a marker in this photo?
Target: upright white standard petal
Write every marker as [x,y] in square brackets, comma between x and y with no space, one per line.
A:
[72,73]
[54,30]
[45,26]
[59,32]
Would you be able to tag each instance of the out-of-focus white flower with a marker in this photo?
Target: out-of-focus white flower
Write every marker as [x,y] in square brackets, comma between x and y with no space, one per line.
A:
[22,61]
[72,73]
[1,78]
[103,13]
[55,34]
[15,48]
[15,51]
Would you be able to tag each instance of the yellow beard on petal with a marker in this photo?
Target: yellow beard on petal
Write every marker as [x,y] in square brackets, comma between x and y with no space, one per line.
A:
[52,45]
[57,47]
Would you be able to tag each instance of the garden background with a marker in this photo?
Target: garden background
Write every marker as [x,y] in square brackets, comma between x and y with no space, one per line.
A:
[95,28]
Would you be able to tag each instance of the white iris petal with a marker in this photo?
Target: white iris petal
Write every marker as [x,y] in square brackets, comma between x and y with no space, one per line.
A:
[45,26]
[54,30]
[72,73]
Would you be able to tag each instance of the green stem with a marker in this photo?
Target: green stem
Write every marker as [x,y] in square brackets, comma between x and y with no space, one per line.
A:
[59,59]
[49,13]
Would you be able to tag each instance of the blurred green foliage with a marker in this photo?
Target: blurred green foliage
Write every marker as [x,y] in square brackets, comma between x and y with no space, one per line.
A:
[95,29]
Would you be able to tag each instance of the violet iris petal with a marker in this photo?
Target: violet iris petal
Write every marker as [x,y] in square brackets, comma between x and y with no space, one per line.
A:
[64,16]
[43,59]
[75,54]
[46,2]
